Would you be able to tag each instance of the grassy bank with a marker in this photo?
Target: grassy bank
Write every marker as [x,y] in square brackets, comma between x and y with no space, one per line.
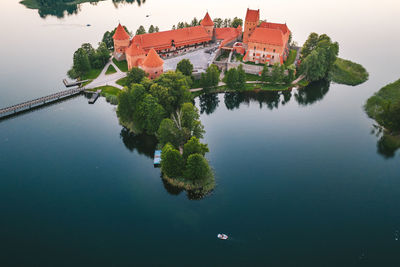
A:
[201,187]
[91,75]
[122,65]
[109,92]
[349,73]
[384,106]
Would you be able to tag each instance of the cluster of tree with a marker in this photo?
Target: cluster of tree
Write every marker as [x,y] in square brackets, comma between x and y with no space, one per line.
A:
[210,78]
[145,103]
[87,58]
[236,78]
[191,164]
[318,55]
[220,23]
[142,30]
[108,38]
[278,74]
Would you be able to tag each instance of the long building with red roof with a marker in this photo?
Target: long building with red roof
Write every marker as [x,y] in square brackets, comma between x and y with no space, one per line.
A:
[168,43]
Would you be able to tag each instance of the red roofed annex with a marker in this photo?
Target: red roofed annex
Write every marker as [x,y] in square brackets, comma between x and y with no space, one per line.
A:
[263,42]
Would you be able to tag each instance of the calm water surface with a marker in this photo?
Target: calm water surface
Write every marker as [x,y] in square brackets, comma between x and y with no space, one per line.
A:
[299,178]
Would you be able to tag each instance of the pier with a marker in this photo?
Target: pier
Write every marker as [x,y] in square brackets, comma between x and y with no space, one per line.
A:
[25,106]
[94,97]
[71,84]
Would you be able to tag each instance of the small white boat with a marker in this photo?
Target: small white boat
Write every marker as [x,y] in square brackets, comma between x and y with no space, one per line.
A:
[222,236]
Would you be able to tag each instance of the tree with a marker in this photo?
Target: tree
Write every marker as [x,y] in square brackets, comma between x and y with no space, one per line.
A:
[150,113]
[151,29]
[194,146]
[236,22]
[185,67]
[135,75]
[276,73]
[227,23]
[197,167]
[231,78]
[157,29]
[218,22]
[265,73]
[128,102]
[309,45]
[102,56]
[241,82]
[177,90]
[291,74]
[314,66]
[140,30]
[195,22]
[171,162]
[211,78]
[190,121]
[89,51]
[81,62]
[169,133]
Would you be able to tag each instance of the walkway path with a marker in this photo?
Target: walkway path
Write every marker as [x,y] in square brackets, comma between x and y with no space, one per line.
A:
[110,79]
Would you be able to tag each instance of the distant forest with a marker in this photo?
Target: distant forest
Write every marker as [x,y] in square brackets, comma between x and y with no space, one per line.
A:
[60,8]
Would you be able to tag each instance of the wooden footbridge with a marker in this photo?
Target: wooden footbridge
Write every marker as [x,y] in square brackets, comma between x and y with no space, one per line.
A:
[35,103]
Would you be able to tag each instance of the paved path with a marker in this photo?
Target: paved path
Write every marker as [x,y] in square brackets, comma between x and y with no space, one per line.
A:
[110,79]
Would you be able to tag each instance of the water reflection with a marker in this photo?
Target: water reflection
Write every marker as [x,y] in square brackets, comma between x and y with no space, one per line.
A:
[61,8]
[142,143]
[208,103]
[387,145]
[312,93]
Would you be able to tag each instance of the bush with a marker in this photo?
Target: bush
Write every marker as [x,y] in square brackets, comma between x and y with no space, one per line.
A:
[197,167]
[193,146]
[171,161]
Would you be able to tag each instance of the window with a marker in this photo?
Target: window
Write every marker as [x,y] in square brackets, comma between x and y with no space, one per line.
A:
[254,48]
[254,54]
[264,48]
[274,50]
[273,57]
[263,55]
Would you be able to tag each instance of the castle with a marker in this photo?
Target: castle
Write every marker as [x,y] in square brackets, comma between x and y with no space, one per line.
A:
[263,42]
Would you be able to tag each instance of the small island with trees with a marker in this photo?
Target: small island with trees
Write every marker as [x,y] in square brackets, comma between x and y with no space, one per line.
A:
[154,101]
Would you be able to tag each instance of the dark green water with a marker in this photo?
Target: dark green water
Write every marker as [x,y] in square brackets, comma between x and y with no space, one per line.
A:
[299,178]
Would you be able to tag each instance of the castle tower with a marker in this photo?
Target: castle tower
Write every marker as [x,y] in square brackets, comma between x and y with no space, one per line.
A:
[134,55]
[208,24]
[250,24]
[153,64]
[121,42]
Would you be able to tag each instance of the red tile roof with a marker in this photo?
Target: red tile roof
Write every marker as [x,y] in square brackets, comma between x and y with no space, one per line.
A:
[153,60]
[135,50]
[267,36]
[227,34]
[163,40]
[207,21]
[283,27]
[253,15]
[120,33]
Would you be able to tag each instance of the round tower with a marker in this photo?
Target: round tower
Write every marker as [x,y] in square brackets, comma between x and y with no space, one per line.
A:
[121,42]
[134,55]
[153,65]
[208,25]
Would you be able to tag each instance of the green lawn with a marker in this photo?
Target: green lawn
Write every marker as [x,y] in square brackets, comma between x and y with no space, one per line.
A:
[291,58]
[111,70]
[122,82]
[122,65]
[347,72]
[91,75]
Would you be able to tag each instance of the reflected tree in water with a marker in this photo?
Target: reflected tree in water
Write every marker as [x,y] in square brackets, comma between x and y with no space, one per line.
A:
[387,145]
[270,99]
[208,103]
[312,93]
[142,143]
[61,8]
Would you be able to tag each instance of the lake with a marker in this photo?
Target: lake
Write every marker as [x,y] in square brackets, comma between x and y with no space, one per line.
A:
[300,179]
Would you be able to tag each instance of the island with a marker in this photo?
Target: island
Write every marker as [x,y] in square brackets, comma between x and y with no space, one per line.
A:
[153,78]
